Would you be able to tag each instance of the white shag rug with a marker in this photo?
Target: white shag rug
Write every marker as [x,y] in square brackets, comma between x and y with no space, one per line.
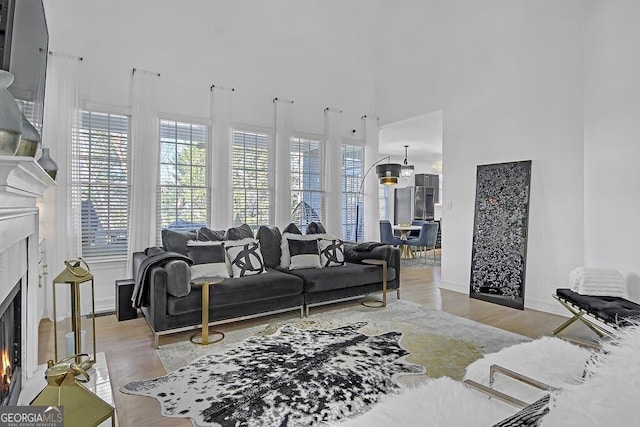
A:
[598,388]
[442,402]
[609,394]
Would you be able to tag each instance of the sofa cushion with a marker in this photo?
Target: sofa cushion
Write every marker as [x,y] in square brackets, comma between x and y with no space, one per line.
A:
[304,254]
[207,234]
[174,241]
[234,291]
[351,275]
[178,278]
[291,228]
[239,233]
[245,257]
[270,239]
[208,259]
[331,252]
[315,228]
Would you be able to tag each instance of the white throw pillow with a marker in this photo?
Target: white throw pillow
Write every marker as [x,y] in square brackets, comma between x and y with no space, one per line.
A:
[331,252]
[285,257]
[214,269]
[304,254]
[245,257]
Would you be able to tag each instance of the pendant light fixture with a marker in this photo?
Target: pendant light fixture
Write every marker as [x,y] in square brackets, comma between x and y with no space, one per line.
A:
[407,170]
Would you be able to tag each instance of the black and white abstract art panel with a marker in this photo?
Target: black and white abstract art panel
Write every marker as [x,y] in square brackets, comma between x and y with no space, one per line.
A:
[499,255]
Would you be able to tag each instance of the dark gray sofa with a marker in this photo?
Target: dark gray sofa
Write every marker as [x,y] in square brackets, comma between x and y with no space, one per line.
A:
[333,284]
[277,291]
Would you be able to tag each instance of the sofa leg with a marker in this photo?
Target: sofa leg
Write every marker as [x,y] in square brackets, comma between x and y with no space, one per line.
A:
[306,307]
[398,293]
[156,340]
[301,311]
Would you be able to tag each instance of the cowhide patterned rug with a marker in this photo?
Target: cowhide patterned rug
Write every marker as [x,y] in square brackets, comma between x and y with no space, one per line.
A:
[293,377]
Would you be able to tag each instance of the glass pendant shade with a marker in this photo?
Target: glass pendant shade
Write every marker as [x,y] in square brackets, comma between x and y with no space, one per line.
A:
[407,170]
[388,173]
[10,117]
[30,140]
[48,164]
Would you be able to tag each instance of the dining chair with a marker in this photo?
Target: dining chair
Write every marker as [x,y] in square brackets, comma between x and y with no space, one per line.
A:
[386,234]
[426,239]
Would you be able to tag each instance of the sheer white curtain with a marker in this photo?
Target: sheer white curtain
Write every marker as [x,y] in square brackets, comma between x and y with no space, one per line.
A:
[282,167]
[60,222]
[333,168]
[144,153]
[220,160]
[371,202]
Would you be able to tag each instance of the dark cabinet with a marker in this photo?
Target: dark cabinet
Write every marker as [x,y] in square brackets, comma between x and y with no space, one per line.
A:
[429,181]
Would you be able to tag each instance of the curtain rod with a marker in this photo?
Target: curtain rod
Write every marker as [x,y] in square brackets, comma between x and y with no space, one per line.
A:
[145,71]
[333,109]
[365,116]
[79,58]
[282,100]
[232,89]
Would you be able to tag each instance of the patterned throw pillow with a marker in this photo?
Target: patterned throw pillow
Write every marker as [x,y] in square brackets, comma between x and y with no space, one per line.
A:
[331,252]
[209,259]
[245,257]
[304,254]
[285,257]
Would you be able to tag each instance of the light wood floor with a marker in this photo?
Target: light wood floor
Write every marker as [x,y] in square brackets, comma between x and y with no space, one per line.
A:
[130,355]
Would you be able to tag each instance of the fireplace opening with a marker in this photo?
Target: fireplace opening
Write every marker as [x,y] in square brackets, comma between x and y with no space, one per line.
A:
[10,346]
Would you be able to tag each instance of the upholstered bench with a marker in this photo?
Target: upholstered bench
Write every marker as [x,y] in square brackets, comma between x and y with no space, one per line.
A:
[612,312]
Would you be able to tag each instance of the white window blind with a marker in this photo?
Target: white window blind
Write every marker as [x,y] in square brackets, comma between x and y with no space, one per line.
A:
[252,195]
[307,196]
[183,193]
[104,183]
[352,170]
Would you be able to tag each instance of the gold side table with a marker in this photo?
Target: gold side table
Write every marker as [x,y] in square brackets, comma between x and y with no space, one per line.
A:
[205,282]
[383,303]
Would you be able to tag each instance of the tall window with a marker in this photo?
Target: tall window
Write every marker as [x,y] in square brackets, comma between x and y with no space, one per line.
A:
[104,183]
[352,170]
[306,182]
[183,198]
[251,189]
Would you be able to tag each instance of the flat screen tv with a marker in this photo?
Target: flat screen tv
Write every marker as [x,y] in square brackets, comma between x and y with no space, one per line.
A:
[26,40]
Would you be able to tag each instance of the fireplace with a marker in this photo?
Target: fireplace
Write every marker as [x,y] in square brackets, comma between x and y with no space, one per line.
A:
[22,182]
[11,346]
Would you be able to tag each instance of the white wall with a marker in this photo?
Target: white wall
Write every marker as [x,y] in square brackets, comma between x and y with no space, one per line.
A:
[508,75]
[317,53]
[612,138]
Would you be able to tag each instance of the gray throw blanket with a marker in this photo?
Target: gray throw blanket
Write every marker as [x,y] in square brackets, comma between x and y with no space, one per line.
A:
[155,257]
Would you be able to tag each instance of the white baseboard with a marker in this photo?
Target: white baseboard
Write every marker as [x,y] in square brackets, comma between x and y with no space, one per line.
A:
[105,304]
[454,287]
[544,306]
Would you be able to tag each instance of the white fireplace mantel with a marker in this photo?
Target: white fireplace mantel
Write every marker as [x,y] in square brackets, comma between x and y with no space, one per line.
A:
[22,181]
[23,176]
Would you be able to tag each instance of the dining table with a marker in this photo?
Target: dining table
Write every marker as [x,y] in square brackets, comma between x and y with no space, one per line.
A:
[404,229]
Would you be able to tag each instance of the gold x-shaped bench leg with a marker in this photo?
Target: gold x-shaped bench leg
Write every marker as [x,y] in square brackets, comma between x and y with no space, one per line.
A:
[578,314]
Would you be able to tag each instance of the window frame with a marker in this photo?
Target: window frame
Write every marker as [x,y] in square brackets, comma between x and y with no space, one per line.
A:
[178,119]
[78,182]
[347,226]
[270,188]
[322,192]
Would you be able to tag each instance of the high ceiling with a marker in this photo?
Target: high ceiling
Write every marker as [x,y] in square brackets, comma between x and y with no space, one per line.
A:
[423,135]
